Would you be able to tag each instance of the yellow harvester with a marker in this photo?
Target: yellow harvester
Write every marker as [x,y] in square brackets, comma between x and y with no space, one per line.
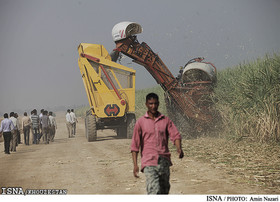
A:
[110,88]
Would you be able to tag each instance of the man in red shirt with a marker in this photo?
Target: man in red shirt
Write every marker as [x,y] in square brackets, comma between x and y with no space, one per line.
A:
[151,134]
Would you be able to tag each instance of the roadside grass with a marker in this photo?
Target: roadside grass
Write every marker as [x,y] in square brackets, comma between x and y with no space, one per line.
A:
[247,148]
[246,161]
[81,111]
[248,99]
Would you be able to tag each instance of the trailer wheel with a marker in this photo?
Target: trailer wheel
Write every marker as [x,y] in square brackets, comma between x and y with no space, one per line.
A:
[91,132]
[121,131]
[126,130]
[130,123]
[86,120]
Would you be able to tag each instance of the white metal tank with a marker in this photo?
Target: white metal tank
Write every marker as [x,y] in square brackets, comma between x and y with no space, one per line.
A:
[123,30]
[199,71]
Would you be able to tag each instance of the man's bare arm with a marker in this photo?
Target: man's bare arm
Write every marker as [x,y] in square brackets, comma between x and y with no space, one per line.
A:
[179,148]
[135,164]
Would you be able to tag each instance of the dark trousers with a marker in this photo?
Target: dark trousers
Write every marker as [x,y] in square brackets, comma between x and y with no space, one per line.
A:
[26,132]
[74,128]
[7,139]
[18,137]
[13,143]
[35,135]
[52,133]
[46,135]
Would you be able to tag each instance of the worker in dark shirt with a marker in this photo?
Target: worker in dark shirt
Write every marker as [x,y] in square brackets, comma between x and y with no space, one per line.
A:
[45,127]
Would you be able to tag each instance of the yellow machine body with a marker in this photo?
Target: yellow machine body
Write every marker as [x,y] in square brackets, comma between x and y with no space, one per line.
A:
[110,86]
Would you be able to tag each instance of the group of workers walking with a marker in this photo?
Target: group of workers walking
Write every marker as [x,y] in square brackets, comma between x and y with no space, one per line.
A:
[41,126]
[150,138]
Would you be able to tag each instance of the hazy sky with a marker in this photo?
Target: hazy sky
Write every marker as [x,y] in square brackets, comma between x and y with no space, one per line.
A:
[39,40]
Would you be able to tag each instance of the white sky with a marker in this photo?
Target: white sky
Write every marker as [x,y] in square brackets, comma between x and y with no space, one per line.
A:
[39,40]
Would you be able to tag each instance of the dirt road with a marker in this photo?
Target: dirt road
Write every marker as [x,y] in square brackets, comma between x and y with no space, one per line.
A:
[103,167]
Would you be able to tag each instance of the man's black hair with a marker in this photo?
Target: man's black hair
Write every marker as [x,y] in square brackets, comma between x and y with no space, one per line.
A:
[6,115]
[151,96]
[12,114]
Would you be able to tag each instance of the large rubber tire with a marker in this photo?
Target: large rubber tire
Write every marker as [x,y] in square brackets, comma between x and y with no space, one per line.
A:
[121,131]
[130,123]
[126,130]
[91,131]
[86,120]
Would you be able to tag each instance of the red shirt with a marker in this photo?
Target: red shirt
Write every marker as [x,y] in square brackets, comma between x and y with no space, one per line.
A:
[152,137]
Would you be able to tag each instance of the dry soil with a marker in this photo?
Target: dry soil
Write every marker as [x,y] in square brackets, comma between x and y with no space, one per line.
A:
[104,167]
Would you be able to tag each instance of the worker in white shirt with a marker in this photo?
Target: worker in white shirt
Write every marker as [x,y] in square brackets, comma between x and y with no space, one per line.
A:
[69,123]
[26,125]
[74,119]
[18,129]
[13,143]
[6,127]
[53,126]
[40,126]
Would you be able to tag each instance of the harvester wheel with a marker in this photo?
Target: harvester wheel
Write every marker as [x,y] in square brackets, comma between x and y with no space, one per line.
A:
[91,132]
